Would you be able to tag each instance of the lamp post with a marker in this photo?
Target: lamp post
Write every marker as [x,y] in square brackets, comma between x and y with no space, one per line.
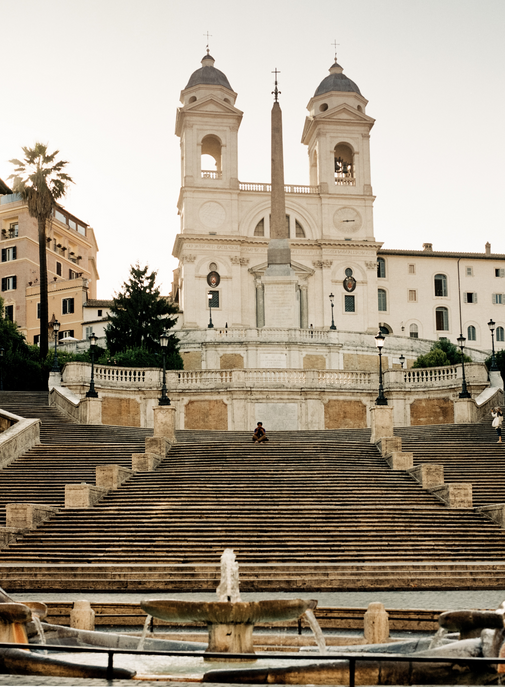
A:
[2,351]
[464,391]
[332,298]
[381,400]
[494,366]
[210,325]
[56,329]
[164,400]
[402,360]
[92,343]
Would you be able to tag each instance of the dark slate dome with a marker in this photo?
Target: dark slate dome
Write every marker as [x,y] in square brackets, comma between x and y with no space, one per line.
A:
[208,75]
[336,81]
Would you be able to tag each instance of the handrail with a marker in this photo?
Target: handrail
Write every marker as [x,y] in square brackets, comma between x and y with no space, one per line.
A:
[301,656]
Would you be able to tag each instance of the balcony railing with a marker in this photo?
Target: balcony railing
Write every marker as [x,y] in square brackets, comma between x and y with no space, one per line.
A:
[267,188]
[342,179]
[209,174]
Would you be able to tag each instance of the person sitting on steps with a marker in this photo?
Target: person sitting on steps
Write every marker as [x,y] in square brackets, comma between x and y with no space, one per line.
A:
[260,434]
[497,416]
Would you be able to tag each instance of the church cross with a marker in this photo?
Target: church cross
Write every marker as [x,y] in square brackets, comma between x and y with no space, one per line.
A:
[209,35]
[335,46]
[276,91]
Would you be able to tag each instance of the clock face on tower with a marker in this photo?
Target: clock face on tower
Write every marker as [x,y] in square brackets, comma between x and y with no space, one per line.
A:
[212,215]
[347,220]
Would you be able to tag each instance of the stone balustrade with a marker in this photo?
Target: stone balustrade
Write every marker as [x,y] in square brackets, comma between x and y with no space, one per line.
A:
[267,188]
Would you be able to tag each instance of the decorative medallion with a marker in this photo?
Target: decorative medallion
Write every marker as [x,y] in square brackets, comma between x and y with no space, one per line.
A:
[349,283]
[213,279]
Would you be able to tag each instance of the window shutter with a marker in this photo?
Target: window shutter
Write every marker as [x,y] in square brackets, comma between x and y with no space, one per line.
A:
[4,254]
[475,298]
[4,283]
[14,252]
[494,299]
[71,306]
[465,297]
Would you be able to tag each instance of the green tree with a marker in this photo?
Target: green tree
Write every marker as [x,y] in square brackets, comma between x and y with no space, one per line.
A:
[139,316]
[443,352]
[41,181]
[21,368]
[500,362]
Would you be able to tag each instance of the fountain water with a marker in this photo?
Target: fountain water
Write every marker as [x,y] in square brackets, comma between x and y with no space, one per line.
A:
[144,632]
[230,621]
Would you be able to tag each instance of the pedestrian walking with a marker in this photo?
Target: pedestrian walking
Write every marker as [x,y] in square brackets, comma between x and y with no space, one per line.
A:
[497,422]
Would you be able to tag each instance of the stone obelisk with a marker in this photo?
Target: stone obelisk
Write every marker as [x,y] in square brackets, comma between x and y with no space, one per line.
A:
[279,280]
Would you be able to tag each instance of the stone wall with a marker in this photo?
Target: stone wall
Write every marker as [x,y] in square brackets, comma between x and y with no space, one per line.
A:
[344,414]
[121,411]
[314,362]
[432,411]
[192,360]
[363,361]
[231,361]
[206,415]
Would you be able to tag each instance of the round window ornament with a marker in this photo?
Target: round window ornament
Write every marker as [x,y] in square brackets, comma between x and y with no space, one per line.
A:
[213,279]
[212,215]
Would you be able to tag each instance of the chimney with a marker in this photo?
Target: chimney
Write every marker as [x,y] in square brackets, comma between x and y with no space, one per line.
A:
[488,248]
[428,247]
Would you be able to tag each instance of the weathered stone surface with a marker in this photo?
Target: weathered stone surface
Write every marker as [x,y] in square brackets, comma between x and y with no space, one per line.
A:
[27,515]
[82,616]
[121,411]
[206,415]
[314,362]
[111,476]
[83,495]
[158,445]
[382,422]
[145,462]
[231,361]
[90,410]
[8,535]
[376,624]
[192,360]
[362,362]
[432,411]
[20,437]
[465,410]
[387,445]
[496,512]
[164,422]
[343,414]
[400,460]
[428,475]
[455,494]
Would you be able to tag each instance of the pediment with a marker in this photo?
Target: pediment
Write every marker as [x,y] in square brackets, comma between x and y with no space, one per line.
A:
[301,270]
[212,104]
[345,112]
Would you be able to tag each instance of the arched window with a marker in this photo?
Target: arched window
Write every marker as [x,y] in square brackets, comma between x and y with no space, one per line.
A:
[471,333]
[440,285]
[344,165]
[414,331]
[442,319]
[385,329]
[381,268]
[500,334]
[260,228]
[211,158]
[299,230]
[383,303]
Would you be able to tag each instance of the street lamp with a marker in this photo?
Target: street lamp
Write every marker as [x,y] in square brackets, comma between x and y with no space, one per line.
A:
[464,391]
[92,343]
[56,329]
[332,298]
[381,400]
[494,366]
[210,325]
[402,360]
[2,351]
[164,400]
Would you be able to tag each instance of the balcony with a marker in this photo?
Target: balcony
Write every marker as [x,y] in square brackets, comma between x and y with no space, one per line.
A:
[289,188]
[209,174]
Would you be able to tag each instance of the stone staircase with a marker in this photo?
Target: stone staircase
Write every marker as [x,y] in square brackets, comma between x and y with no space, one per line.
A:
[307,511]
[469,453]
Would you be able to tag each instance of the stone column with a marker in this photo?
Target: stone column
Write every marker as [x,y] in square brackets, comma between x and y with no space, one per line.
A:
[82,616]
[164,422]
[376,624]
[304,306]
[90,411]
[260,304]
[382,422]
[236,283]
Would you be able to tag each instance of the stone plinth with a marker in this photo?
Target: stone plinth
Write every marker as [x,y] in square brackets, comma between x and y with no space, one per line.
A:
[111,476]
[376,624]
[387,445]
[145,462]
[465,411]
[90,410]
[455,495]
[281,306]
[82,616]
[382,422]
[428,475]
[27,516]
[400,460]
[496,512]
[158,445]
[164,422]
[83,495]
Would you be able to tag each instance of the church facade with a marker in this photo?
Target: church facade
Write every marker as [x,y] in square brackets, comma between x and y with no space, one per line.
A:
[345,285]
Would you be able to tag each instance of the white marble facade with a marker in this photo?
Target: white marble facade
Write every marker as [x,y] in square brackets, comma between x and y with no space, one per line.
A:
[224,235]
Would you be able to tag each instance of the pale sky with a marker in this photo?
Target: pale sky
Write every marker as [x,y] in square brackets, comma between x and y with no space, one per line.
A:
[100,81]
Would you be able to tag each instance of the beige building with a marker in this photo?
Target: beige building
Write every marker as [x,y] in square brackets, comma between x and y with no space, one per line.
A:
[343,276]
[71,266]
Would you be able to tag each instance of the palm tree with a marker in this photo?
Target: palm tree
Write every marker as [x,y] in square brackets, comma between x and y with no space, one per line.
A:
[41,182]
